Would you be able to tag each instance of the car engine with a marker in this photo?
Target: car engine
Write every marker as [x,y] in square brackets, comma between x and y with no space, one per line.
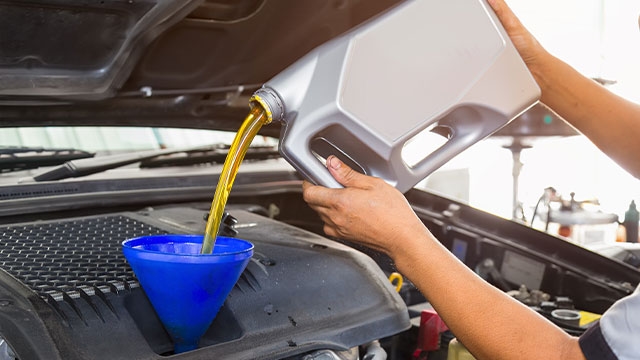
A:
[300,295]
[67,292]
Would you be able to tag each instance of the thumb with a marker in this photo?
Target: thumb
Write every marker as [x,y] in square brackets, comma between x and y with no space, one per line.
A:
[343,173]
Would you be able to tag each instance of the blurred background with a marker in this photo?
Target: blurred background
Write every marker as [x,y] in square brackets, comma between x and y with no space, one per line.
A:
[599,38]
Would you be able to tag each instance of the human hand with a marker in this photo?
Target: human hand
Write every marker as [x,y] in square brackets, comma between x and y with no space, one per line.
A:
[367,210]
[528,47]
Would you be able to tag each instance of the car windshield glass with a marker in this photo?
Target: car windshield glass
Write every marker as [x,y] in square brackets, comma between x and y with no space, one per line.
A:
[81,151]
[114,140]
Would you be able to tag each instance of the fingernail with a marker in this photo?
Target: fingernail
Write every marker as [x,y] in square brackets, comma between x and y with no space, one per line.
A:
[334,162]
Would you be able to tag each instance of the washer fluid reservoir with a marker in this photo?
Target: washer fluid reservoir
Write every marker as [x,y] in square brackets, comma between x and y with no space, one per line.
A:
[446,67]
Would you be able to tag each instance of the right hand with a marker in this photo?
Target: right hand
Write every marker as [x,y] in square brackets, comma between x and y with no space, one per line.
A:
[528,47]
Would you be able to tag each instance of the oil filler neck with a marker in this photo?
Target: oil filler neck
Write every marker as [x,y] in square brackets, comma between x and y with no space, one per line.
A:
[270,102]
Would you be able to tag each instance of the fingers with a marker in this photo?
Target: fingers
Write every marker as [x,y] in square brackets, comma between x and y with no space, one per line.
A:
[319,196]
[528,47]
[316,196]
[506,15]
[344,174]
[347,212]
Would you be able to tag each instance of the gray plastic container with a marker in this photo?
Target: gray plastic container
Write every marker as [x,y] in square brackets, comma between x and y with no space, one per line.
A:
[425,65]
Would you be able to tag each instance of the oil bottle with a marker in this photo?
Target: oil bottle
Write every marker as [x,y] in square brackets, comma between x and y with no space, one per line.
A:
[446,67]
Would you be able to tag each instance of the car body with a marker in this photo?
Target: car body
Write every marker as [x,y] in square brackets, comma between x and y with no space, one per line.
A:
[66,291]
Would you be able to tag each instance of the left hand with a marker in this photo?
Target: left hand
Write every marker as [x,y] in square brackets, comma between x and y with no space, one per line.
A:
[367,210]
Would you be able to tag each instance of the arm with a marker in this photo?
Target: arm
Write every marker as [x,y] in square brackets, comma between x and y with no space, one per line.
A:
[609,121]
[488,322]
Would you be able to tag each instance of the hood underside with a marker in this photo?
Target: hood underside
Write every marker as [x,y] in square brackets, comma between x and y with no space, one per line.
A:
[188,63]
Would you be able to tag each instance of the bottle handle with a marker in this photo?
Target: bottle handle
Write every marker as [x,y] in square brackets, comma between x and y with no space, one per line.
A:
[313,170]
[466,128]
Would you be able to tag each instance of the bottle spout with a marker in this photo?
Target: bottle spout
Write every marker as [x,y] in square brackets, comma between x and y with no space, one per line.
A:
[271,102]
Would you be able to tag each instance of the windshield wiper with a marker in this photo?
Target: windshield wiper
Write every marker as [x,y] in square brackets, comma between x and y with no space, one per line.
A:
[215,156]
[15,158]
[84,167]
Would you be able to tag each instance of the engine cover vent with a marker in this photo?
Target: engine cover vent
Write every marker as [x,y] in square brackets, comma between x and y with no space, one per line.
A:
[62,257]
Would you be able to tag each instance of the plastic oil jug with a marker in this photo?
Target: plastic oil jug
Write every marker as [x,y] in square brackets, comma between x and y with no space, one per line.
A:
[446,67]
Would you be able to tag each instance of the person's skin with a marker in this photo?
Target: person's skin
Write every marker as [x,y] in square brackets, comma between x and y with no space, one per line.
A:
[609,121]
[491,324]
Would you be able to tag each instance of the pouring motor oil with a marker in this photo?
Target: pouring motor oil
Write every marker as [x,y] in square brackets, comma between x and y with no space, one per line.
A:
[442,66]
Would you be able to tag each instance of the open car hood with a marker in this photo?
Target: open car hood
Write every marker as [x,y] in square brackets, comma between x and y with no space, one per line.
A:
[189,63]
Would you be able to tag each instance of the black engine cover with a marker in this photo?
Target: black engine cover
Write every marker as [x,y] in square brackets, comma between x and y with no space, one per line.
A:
[66,292]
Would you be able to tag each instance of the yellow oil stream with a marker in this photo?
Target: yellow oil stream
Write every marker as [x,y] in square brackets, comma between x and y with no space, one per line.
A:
[250,127]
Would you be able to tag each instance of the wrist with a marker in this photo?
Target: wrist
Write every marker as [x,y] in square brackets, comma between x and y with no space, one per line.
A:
[412,250]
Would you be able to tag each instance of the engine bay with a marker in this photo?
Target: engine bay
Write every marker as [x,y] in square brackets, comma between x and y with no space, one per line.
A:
[67,292]
[299,293]
[69,197]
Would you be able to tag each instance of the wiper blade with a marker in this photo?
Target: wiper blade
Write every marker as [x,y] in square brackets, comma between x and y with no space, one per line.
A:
[84,167]
[15,158]
[204,156]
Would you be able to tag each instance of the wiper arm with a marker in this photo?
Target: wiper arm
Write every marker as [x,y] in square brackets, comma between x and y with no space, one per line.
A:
[14,158]
[215,156]
[84,167]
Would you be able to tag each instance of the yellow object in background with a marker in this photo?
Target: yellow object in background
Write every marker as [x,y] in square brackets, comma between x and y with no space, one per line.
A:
[457,351]
[587,317]
[396,280]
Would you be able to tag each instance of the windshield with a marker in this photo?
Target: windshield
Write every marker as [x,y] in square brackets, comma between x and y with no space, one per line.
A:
[109,140]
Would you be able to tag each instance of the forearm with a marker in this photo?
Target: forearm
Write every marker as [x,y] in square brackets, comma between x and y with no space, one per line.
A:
[488,322]
[609,121]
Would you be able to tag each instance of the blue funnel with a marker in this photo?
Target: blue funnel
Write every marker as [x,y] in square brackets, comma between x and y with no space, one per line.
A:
[186,288]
